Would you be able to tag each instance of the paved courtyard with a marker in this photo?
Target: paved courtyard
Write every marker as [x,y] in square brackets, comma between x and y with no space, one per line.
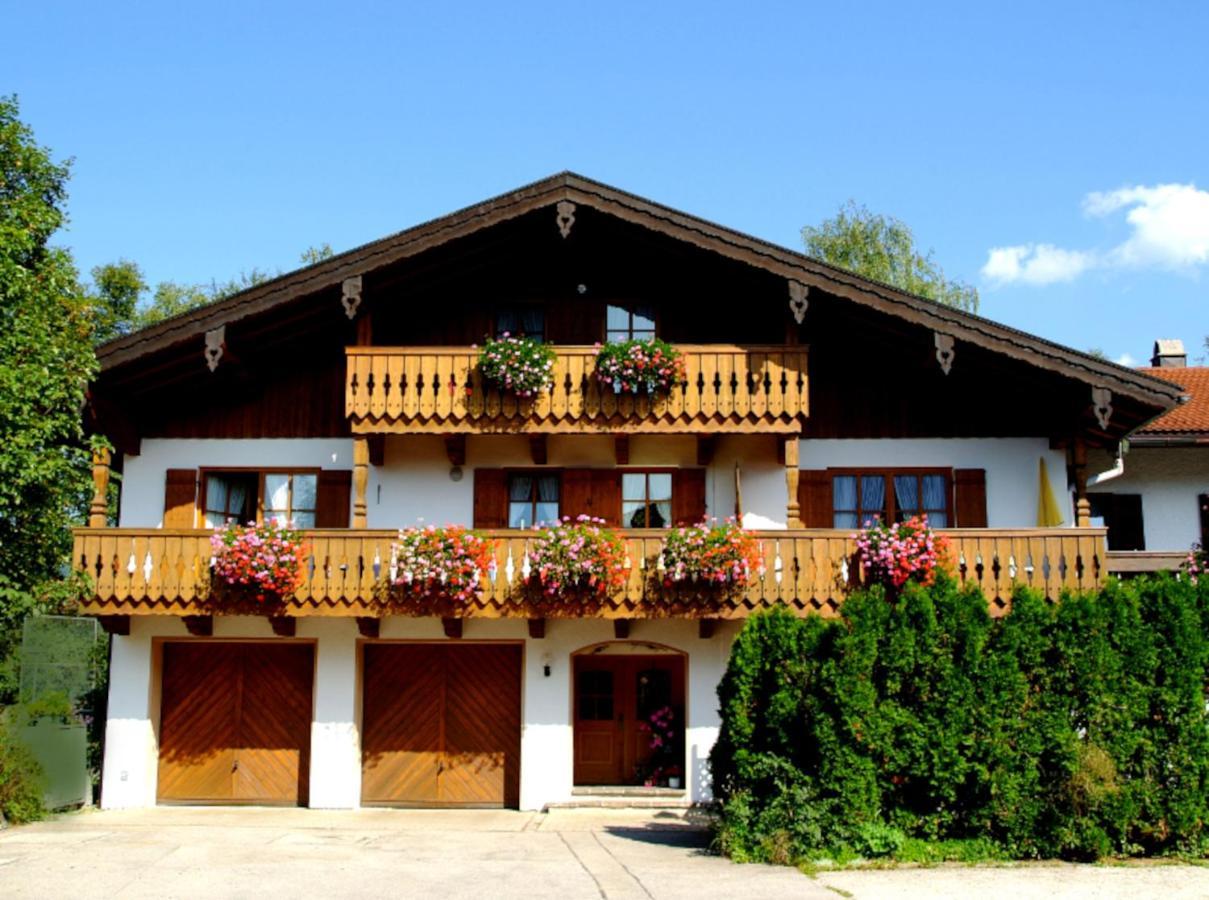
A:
[240,852]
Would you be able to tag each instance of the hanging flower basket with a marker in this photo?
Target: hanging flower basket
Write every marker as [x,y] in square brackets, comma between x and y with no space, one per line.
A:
[255,565]
[437,571]
[523,366]
[892,555]
[639,367]
[575,565]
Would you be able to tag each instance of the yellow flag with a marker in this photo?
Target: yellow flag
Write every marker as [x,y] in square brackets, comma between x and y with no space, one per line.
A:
[1048,513]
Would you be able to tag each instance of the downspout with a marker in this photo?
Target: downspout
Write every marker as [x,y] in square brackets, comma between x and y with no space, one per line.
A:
[1116,471]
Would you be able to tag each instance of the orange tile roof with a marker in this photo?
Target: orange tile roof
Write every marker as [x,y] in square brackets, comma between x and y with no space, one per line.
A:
[1190,417]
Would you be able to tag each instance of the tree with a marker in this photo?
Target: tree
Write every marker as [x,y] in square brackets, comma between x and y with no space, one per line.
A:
[312,255]
[883,249]
[117,289]
[46,362]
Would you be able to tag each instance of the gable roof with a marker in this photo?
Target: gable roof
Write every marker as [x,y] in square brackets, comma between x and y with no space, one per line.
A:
[1190,419]
[726,242]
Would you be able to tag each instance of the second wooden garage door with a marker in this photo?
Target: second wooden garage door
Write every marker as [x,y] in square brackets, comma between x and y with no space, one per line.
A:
[441,725]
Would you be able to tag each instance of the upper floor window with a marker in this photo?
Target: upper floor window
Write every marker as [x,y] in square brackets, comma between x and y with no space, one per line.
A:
[532,498]
[237,496]
[521,321]
[635,323]
[857,498]
[646,499]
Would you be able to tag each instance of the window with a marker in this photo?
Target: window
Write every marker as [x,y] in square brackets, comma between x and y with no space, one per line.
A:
[891,496]
[596,695]
[646,499]
[1121,514]
[230,497]
[532,498]
[237,496]
[521,321]
[629,324]
[1202,503]
[292,498]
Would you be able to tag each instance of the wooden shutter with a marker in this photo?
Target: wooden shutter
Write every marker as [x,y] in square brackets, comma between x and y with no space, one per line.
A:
[970,505]
[688,496]
[606,496]
[575,497]
[490,498]
[1203,502]
[334,498]
[180,498]
[814,497]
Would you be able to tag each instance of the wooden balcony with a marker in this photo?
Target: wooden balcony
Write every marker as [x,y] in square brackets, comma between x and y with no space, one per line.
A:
[437,390]
[148,571]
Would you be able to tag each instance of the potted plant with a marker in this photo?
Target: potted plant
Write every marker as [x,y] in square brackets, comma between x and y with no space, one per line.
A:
[521,365]
[892,555]
[260,563]
[1196,564]
[710,554]
[576,562]
[437,570]
[662,740]
[648,366]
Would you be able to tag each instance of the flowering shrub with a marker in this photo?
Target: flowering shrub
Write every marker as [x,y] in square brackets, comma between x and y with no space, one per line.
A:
[265,559]
[447,563]
[662,742]
[896,554]
[524,366]
[710,553]
[578,556]
[1197,563]
[651,366]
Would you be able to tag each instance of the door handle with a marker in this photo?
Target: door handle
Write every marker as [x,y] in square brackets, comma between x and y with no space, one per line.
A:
[235,766]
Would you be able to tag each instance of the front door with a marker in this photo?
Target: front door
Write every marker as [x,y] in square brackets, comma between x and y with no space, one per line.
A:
[616,699]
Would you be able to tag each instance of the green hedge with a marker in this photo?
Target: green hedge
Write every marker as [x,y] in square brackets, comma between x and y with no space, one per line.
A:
[1077,730]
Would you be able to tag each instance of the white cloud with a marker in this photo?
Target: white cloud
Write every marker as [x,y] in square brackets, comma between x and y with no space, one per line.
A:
[1169,229]
[1125,359]
[1035,264]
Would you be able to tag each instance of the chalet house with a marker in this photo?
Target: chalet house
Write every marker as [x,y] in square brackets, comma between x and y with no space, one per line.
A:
[346,396]
[1154,499]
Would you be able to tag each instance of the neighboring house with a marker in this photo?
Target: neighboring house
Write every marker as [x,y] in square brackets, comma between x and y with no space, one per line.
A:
[345,395]
[1154,498]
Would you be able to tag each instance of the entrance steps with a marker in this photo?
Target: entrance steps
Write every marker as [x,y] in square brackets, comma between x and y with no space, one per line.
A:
[613,796]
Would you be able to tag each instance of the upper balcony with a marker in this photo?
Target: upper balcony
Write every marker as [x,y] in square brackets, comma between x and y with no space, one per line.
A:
[438,390]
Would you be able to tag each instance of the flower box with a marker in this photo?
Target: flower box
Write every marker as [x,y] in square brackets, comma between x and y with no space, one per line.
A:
[523,366]
[255,564]
[709,561]
[892,555]
[639,367]
[437,571]
[575,565]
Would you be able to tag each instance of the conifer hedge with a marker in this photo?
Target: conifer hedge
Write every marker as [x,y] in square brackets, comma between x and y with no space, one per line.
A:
[1075,730]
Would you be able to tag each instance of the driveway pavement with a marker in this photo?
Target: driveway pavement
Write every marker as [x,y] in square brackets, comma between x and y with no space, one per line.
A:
[228,852]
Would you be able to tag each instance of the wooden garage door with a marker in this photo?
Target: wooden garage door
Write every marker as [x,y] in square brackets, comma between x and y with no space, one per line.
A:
[235,723]
[441,725]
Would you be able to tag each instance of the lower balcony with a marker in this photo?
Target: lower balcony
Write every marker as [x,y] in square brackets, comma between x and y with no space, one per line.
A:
[151,571]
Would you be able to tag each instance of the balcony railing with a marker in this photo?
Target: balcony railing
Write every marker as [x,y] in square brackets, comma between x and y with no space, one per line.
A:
[439,389]
[160,571]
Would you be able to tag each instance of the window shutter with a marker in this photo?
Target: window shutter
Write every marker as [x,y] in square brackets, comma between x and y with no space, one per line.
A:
[814,498]
[490,498]
[970,505]
[180,498]
[575,493]
[335,495]
[688,496]
[606,496]
[1203,501]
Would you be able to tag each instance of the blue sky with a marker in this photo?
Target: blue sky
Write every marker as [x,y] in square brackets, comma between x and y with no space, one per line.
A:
[214,138]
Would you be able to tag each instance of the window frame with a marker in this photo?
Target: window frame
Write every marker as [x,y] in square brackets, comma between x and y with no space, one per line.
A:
[889,473]
[203,473]
[647,471]
[617,304]
[534,473]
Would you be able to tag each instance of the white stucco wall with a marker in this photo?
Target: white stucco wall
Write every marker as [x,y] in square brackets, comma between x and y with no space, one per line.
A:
[1169,480]
[547,750]
[1011,468]
[143,475]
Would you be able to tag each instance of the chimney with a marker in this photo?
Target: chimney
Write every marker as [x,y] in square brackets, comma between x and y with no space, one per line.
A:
[1169,354]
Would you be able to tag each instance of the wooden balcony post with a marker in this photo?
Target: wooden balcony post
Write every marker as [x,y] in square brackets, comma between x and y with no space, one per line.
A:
[1079,470]
[98,511]
[794,513]
[360,481]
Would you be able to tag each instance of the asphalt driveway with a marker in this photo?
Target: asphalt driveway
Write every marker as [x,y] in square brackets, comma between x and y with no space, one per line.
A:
[241,852]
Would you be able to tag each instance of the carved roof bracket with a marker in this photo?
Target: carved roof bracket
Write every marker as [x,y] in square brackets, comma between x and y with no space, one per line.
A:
[565,217]
[798,302]
[350,295]
[944,351]
[1101,402]
[216,341]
